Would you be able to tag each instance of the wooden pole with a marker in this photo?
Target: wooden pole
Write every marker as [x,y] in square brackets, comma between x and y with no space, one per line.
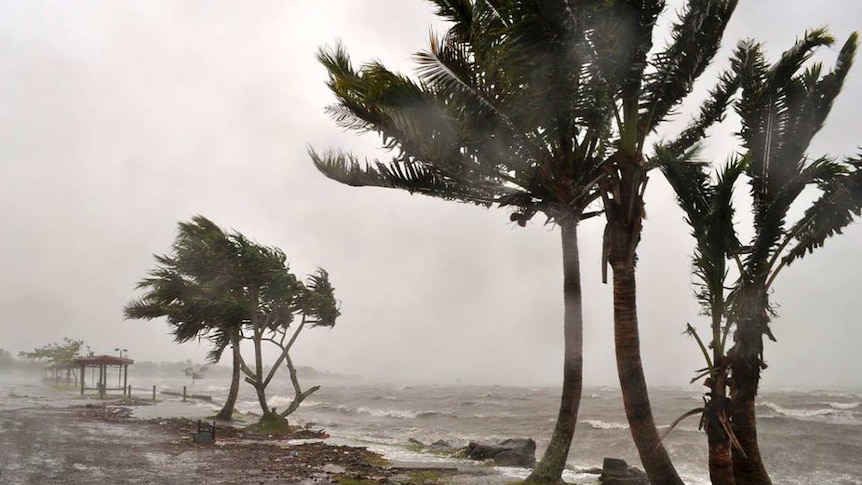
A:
[154,393]
[184,393]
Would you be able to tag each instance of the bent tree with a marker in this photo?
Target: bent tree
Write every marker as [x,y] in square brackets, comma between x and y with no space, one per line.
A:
[190,288]
[647,88]
[58,356]
[515,106]
[782,107]
[227,288]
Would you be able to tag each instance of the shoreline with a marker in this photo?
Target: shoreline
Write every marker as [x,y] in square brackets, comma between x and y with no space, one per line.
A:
[84,441]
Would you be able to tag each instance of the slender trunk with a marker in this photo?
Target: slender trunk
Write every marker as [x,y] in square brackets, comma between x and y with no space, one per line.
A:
[257,382]
[747,465]
[720,456]
[717,407]
[653,455]
[550,467]
[226,413]
[622,194]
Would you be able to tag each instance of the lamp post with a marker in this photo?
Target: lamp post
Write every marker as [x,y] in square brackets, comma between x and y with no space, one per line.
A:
[120,366]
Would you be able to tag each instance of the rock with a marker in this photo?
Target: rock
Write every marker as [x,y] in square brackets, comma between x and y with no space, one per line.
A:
[618,472]
[440,445]
[517,452]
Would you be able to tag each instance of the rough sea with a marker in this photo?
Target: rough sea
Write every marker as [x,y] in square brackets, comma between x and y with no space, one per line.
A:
[807,436]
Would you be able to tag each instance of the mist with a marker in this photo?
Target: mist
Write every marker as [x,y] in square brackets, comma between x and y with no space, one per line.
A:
[121,119]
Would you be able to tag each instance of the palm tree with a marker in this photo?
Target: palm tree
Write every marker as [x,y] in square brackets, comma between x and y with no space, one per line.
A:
[782,107]
[515,107]
[649,88]
[709,213]
[188,288]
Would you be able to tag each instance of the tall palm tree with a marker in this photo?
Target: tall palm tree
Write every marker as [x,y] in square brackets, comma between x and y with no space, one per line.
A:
[515,107]
[188,287]
[782,107]
[649,88]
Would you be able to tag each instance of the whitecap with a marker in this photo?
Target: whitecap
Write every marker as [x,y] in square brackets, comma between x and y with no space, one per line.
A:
[599,424]
[843,405]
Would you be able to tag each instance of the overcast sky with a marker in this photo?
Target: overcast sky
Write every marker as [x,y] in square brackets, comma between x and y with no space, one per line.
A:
[120,118]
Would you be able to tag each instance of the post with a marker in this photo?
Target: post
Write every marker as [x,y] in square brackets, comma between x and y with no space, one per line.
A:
[83,368]
[184,393]
[154,393]
[103,380]
[126,378]
[129,393]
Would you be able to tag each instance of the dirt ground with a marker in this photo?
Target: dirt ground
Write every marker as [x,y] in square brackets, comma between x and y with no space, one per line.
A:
[100,443]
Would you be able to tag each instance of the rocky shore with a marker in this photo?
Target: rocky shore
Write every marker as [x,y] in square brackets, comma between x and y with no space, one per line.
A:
[100,442]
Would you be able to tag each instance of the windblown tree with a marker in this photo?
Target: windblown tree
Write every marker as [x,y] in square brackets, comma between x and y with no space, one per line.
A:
[515,106]
[782,107]
[272,297]
[226,288]
[191,287]
[648,87]
[58,356]
[709,212]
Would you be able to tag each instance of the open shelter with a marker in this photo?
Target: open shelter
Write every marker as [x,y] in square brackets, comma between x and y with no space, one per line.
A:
[103,363]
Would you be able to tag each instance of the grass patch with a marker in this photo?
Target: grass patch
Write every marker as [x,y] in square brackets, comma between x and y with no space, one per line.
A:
[271,424]
[425,477]
[355,481]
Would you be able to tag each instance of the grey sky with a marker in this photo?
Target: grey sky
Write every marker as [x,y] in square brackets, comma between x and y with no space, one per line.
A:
[118,119]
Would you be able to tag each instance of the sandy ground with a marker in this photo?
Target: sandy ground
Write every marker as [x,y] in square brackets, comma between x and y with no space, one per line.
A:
[99,443]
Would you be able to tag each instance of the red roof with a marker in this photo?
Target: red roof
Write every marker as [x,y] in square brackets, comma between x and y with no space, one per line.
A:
[103,360]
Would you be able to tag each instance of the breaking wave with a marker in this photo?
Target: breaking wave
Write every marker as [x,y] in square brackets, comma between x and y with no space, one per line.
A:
[599,424]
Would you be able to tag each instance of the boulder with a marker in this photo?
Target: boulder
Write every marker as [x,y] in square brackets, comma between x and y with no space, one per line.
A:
[618,472]
[518,452]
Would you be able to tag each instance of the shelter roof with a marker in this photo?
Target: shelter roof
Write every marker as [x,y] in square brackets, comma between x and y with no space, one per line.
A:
[103,360]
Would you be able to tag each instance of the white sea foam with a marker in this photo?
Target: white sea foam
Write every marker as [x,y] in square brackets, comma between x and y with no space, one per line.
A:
[843,405]
[830,415]
[599,424]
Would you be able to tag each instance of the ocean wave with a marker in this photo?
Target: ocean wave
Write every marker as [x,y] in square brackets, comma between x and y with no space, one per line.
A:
[830,414]
[374,412]
[599,424]
[843,405]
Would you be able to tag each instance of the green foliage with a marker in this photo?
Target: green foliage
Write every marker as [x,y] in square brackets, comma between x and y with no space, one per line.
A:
[214,284]
[271,424]
[226,287]
[59,355]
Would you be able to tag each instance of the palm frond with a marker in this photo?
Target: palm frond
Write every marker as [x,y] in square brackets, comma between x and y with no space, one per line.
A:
[838,206]
[696,37]
[413,177]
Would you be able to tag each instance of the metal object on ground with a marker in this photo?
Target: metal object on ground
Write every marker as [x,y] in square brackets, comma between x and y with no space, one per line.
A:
[206,433]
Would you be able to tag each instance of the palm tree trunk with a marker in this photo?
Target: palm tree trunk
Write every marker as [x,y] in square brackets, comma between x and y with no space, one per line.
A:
[717,407]
[653,455]
[748,466]
[226,413]
[746,362]
[550,467]
[720,456]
